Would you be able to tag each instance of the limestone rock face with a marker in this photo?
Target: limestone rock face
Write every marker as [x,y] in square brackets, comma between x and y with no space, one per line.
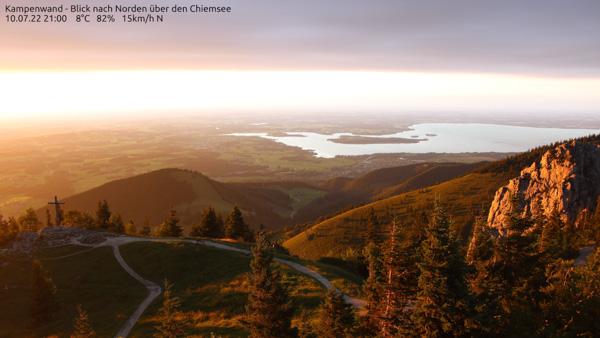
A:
[567,178]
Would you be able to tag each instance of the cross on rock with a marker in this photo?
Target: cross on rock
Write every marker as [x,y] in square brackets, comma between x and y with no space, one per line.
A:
[56,205]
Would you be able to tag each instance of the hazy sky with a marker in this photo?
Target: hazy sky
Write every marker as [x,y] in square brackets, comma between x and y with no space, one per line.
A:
[396,54]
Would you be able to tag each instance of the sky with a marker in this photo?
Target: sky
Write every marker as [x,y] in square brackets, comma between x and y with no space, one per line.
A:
[535,55]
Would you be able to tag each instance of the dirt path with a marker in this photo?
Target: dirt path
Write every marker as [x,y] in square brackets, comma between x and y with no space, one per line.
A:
[155,290]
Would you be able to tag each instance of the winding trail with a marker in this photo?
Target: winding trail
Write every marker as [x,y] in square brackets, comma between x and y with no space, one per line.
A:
[155,290]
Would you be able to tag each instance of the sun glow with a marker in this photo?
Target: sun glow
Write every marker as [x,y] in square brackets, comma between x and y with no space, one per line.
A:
[39,95]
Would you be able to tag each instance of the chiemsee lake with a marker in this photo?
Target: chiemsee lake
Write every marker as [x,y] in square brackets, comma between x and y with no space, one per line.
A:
[434,138]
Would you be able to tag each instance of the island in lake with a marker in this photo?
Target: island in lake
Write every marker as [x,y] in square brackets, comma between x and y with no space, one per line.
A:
[346,139]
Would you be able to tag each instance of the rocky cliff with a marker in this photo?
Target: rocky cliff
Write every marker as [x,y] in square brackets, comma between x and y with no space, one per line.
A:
[567,178]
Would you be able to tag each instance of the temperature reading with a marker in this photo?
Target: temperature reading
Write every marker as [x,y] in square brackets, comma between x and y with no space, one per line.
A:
[86,13]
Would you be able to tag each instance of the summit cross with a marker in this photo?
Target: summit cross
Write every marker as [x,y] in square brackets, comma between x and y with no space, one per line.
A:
[56,205]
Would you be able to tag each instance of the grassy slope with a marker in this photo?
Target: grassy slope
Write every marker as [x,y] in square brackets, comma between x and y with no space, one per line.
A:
[93,279]
[334,236]
[211,284]
[434,174]
[380,184]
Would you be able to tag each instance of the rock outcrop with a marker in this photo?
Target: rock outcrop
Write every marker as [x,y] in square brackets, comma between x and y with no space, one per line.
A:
[27,242]
[567,178]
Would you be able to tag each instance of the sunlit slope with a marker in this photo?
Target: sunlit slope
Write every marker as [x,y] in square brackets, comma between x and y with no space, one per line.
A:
[150,195]
[411,176]
[465,195]
[379,184]
[430,174]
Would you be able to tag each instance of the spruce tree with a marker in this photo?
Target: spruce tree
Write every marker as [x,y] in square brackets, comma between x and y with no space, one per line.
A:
[551,241]
[209,225]
[72,218]
[400,284]
[372,290]
[305,326]
[29,221]
[130,229]
[82,326]
[440,307]
[61,214]
[596,223]
[373,228]
[103,215]
[235,226]
[520,273]
[49,223]
[481,247]
[13,225]
[172,323]
[145,230]
[115,224]
[87,221]
[170,227]
[196,231]
[483,282]
[337,316]
[3,225]
[43,295]
[269,311]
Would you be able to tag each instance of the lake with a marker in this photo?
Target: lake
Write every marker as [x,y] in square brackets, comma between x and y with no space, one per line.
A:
[437,138]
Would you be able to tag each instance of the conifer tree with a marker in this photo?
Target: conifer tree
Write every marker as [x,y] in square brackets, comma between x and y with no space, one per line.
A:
[209,225]
[48,219]
[269,311]
[305,326]
[551,241]
[373,228]
[145,230]
[572,307]
[172,323]
[440,307]
[13,226]
[82,326]
[87,221]
[3,225]
[400,284]
[337,316]
[72,218]
[196,231]
[597,214]
[131,229]
[235,226]
[103,215]
[482,281]
[170,227]
[481,247]
[372,289]
[115,224]
[29,221]
[43,295]
[520,274]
